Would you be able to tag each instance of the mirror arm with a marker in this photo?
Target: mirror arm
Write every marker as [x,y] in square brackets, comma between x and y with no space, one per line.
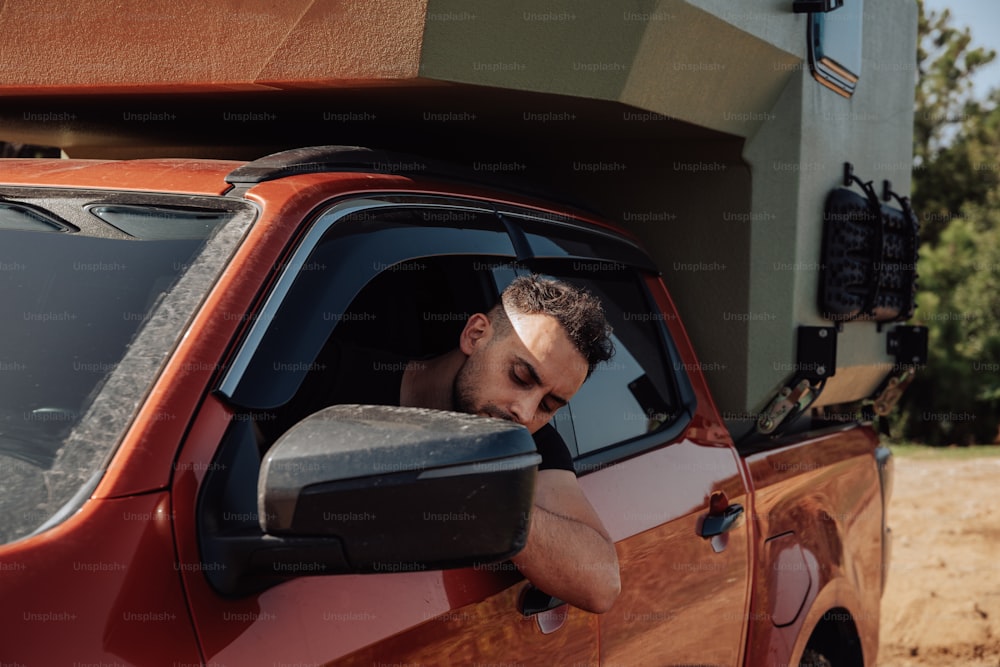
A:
[246,562]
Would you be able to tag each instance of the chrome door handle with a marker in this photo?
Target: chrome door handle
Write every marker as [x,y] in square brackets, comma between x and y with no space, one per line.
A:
[724,521]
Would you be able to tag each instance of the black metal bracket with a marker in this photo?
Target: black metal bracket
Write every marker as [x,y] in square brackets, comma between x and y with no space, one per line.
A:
[816,353]
[904,203]
[908,344]
[816,6]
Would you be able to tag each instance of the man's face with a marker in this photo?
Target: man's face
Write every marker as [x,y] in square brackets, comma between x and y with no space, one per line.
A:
[523,375]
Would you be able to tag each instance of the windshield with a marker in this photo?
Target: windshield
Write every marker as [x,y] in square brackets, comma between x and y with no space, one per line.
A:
[72,304]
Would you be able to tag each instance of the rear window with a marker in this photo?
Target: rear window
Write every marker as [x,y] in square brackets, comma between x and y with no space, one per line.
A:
[75,298]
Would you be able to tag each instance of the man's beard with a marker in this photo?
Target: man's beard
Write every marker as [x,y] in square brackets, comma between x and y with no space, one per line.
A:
[463,397]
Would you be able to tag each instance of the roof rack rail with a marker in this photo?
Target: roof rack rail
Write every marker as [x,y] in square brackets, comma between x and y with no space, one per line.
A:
[325,159]
[319,159]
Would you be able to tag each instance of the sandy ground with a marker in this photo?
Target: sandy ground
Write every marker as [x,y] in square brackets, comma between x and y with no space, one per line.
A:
[942,602]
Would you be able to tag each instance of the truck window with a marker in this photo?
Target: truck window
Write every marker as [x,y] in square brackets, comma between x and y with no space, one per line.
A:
[348,247]
[411,310]
[84,302]
[404,279]
[633,394]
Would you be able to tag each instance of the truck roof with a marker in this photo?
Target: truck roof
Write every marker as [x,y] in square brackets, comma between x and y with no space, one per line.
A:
[175,175]
[207,176]
[213,177]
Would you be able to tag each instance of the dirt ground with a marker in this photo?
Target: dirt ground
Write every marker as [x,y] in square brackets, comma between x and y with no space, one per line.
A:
[942,602]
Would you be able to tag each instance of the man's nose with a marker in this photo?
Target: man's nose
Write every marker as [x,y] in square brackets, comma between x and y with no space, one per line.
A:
[523,409]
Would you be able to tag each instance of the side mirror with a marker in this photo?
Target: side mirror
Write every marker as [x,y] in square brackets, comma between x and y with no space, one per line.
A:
[401,486]
[369,489]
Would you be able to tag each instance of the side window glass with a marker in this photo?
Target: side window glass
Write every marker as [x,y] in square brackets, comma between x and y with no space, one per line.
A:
[634,393]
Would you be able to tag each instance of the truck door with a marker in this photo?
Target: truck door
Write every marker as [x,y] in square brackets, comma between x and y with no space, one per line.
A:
[659,468]
[671,491]
[394,276]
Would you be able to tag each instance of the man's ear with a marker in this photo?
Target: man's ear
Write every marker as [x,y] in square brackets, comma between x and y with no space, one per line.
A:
[478,330]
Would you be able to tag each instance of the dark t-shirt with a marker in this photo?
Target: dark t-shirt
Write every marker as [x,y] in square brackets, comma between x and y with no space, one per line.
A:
[371,377]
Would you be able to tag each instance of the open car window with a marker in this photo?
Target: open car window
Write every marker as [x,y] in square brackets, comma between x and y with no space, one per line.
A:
[402,280]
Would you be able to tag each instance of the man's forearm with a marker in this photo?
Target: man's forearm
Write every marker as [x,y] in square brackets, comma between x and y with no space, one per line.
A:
[570,560]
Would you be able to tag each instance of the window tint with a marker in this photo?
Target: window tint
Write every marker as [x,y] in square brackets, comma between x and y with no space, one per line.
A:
[327,273]
[411,310]
[634,393]
[555,239]
[160,223]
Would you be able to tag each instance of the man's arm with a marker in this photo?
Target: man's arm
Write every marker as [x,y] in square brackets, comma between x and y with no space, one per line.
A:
[569,554]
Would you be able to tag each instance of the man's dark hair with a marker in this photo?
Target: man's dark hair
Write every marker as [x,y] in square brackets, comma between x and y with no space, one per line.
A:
[578,311]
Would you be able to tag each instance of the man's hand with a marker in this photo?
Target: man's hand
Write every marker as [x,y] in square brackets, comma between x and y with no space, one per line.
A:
[569,554]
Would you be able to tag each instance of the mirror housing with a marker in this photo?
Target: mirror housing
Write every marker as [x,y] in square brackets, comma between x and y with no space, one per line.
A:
[367,489]
[401,487]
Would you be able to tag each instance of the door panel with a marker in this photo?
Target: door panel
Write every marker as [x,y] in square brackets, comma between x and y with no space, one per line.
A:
[659,454]
[682,602]
[493,631]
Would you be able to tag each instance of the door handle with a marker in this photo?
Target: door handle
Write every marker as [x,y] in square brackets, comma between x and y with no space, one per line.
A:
[535,601]
[721,522]
[550,612]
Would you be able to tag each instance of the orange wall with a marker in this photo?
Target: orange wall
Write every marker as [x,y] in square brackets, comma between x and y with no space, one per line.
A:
[220,45]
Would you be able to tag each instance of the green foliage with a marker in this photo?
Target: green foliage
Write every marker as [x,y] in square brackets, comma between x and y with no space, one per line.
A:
[956,177]
[955,152]
[957,397]
[909,450]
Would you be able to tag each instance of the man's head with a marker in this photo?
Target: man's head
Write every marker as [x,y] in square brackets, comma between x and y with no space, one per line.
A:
[531,353]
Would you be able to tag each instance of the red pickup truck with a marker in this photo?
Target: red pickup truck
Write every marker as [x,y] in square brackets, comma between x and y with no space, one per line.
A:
[158,313]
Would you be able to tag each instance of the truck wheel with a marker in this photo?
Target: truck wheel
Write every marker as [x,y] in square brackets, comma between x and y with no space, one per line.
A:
[812,658]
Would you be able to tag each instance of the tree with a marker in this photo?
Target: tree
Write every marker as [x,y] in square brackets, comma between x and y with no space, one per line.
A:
[947,135]
[956,177]
[956,398]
